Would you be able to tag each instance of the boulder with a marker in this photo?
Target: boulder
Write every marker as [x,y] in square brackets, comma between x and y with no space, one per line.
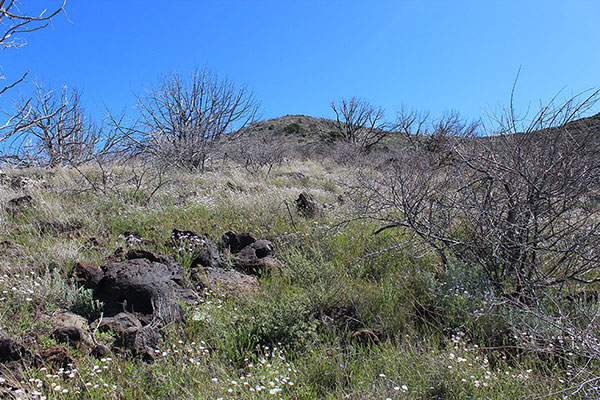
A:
[232,282]
[118,324]
[131,334]
[256,258]
[236,241]
[87,275]
[11,350]
[308,206]
[73,329]
[58,356]
[140,341]
[141,286]
[18,204]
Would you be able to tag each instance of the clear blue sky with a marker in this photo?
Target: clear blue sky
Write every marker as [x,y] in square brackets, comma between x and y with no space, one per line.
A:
[299,55]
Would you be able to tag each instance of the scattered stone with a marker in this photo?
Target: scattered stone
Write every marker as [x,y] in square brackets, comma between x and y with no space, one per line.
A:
[141,286]
[92,243]
[231,282]
[234,187]
[256,258]
[87,275]
[132,239]
[365,336]
[21,182]
[10,350]
[10,249]
[236,241]
[58,228]
[308,205]
[58,356]
[205,252]
[16,205]
[4,179]
[341,317]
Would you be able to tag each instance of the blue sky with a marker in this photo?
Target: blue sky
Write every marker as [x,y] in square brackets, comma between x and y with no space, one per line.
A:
[299,55]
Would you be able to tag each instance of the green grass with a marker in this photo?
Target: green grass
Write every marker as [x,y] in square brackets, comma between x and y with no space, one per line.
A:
[274,344]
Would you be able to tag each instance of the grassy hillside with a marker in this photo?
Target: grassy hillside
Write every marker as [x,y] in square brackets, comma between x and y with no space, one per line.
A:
[346,315]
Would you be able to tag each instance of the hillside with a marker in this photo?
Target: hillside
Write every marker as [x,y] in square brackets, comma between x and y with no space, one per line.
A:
[130,281]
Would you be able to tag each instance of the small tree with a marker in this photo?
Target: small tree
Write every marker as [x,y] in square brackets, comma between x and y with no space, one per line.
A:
[183,120]
[358,122]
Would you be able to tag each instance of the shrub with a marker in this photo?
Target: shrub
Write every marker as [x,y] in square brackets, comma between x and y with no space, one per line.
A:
[293,128]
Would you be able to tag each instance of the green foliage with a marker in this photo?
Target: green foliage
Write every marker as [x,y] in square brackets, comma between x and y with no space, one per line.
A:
[293,129]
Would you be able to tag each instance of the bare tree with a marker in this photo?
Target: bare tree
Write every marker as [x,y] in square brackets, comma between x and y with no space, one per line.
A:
[358,122]
[518,205]
[55,130]
[15,23]
[183,120]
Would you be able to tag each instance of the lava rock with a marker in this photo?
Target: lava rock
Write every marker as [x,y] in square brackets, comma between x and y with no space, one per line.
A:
[58,356]
[236,241]
[18,204]
[10,350]
[141,286]
[233,283]
[87,275]
[308,206]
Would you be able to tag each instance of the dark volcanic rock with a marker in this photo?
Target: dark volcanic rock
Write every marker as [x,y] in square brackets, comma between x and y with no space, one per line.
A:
[87,275]
[308,205]
[18,204]
[72,329]
[58,356]
[232,282]
[70,335]
[140,341]
[10,350]
[119,323]
[236,241]
[256,258]
[141,286]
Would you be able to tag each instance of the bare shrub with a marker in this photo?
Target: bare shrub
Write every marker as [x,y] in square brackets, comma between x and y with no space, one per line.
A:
[55,130]
[512,203]
[256,153]
[423,132]
[182,121]
[358,122]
